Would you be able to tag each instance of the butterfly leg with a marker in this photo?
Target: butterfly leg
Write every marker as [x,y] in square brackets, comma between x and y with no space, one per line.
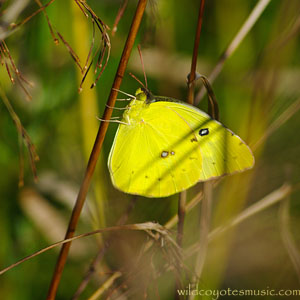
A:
[112,120]
[118,108]
[131,96]
[124,99]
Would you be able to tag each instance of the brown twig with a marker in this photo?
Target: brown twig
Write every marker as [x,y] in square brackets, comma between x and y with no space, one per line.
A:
[192,75]
[97,148]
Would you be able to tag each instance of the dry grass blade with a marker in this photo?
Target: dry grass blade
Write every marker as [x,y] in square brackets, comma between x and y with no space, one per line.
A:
[23,136]
[119,16]
[91,47]
[283,118]
[244,30]
[287,237]
[262,204]
[108,283]
[48,21]
[71,51]
[3,61]
[19,77]
[148,227]
[103,50]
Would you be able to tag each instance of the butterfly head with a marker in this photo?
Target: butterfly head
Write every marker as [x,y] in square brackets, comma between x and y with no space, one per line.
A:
[143,94]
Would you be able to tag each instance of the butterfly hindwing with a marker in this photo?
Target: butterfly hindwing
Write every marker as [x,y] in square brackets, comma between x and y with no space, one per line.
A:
[223,152]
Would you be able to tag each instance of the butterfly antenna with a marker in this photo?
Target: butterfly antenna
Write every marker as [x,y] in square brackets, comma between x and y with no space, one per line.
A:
[143,66]
[134,77]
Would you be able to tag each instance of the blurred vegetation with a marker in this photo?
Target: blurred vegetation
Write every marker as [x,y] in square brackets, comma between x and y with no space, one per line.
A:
[256,88]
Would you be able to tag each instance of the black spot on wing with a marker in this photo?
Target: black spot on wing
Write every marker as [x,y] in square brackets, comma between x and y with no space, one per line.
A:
[203,131]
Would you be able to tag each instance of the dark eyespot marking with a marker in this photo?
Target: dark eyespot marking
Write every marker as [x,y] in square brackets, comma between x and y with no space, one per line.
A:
[146,177]
[132,172]
[172,152]
[164,154]
[241,143]
[213,163]
[203,131]
[194,139]
[159,179]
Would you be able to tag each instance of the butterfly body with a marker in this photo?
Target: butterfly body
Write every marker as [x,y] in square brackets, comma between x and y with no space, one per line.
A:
[164,146]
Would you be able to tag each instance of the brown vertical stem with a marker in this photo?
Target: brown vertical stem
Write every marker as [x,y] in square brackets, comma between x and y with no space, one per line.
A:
[192,75]
[96,149]
[190,100]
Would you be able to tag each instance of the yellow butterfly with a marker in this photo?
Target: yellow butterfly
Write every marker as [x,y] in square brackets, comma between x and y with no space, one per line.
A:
[164,146]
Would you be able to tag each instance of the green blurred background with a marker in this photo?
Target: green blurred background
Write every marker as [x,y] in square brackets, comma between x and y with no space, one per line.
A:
[258,84]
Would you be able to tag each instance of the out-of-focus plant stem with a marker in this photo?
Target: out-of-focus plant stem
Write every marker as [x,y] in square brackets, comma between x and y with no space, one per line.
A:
[88,106]
[244,30]
[97,147]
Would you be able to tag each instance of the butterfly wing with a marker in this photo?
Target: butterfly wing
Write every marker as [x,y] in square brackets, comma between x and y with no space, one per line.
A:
[170,146]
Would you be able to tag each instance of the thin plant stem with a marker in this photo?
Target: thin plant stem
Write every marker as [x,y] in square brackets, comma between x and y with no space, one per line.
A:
[109,282]
[244,30]
[148,227]
[192,75]
[96,148]
[269,200]
[205,215]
